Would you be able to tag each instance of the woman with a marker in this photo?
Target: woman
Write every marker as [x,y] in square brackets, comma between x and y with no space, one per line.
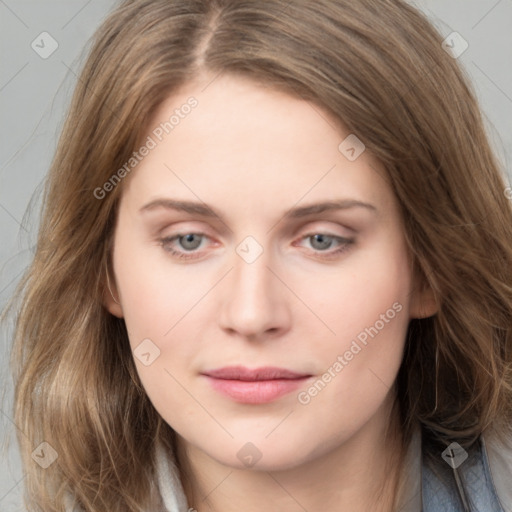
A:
[337,336]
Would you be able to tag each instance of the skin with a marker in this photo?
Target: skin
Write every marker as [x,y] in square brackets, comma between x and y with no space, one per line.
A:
[252,153]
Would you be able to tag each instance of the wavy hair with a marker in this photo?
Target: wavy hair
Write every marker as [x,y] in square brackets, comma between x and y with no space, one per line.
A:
[378,67]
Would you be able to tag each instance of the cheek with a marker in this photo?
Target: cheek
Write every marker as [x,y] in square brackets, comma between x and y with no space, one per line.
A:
[163,307]
[155,293]
[158,307]
[367,296]
[368,310]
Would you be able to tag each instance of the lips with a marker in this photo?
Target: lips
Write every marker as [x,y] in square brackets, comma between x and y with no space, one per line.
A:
[254,386]
[246,374]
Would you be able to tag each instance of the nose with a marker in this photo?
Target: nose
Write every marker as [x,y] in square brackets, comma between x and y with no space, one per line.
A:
[254,301]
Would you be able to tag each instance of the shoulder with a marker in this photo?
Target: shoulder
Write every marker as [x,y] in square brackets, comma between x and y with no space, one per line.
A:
[475,478]
[498,450]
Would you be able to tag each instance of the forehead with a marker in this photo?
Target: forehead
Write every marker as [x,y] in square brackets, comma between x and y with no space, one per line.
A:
[243,142]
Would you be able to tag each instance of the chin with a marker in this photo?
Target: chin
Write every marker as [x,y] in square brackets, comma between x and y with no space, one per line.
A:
[262,454]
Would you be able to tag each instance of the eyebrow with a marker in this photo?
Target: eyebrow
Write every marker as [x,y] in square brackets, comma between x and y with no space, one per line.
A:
[204,210]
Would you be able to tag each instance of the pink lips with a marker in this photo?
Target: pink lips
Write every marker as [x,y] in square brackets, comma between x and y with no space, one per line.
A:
[254,386]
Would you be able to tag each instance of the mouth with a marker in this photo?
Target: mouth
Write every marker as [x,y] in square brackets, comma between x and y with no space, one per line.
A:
[254,386]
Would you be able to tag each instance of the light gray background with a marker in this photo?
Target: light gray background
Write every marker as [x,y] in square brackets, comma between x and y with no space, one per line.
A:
[34,94]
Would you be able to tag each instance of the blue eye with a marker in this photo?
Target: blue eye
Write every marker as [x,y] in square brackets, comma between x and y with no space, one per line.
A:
[325,241]
[190,242]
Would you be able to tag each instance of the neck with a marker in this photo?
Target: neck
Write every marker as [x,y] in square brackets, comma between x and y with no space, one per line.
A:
[360,474]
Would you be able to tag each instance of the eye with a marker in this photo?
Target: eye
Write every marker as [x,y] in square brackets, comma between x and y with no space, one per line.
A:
[322,241]
[189,242]
[184,246]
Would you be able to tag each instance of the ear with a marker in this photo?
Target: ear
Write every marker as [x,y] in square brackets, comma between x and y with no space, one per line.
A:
[423,303]
[110,294]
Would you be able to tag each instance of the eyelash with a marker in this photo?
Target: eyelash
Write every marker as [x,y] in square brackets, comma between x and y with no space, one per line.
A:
[346,243]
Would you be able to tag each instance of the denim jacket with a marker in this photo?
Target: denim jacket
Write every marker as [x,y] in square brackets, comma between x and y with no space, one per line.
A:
[479,480]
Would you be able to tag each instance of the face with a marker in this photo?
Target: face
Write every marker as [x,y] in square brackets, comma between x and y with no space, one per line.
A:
[255,316]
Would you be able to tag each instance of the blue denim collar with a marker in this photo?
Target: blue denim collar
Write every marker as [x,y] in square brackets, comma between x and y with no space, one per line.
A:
[458,480]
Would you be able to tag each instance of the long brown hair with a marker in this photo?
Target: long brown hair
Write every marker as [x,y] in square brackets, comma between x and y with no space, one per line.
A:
[379,67]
